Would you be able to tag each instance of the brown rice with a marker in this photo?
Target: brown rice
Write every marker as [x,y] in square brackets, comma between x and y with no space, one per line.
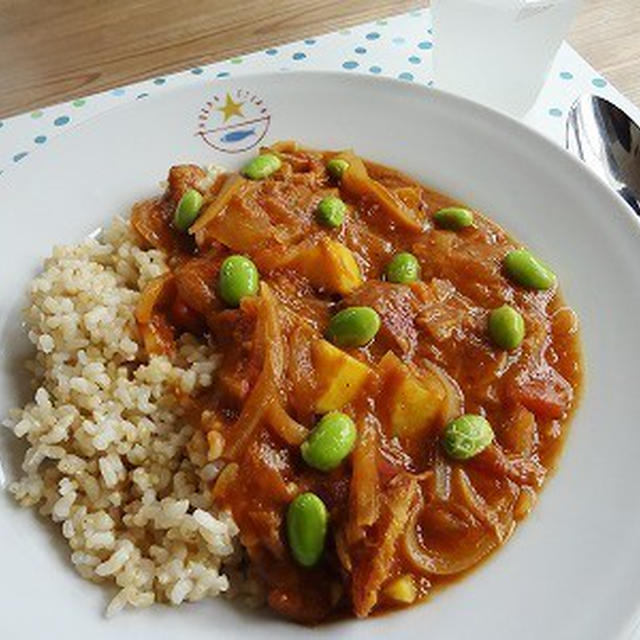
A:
[111,457]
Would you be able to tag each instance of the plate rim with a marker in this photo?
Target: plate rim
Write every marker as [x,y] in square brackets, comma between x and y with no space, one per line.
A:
[359,76]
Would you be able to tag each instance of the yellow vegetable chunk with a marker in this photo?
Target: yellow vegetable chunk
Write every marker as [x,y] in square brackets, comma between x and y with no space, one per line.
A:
[401,590]
[340,376]
[328,265]
[414,404]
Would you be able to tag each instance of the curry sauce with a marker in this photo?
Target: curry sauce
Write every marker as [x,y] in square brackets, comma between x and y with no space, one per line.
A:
[403,515]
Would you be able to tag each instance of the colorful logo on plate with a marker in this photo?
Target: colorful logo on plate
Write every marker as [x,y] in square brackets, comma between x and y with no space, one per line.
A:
[233,121]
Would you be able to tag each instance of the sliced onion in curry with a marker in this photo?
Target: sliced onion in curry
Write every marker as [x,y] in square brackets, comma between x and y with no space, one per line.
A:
[265,391]
[440,563]
[453,405]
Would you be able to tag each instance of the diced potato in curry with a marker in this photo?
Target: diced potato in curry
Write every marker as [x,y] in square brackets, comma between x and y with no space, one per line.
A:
[328,264]
[413,403]
[340,377]
[401,590]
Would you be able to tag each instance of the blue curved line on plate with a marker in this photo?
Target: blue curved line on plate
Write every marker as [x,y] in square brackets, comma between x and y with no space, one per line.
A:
[236,136]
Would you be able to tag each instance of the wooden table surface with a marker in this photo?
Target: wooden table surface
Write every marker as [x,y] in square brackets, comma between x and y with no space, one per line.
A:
[55,50]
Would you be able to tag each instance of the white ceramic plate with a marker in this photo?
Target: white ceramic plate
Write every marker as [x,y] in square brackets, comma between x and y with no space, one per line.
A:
[572,571]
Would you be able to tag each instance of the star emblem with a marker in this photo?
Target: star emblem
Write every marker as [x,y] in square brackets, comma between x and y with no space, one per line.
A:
[231,108]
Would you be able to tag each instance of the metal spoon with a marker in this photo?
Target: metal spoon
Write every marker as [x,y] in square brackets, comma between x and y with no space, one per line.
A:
[608,141]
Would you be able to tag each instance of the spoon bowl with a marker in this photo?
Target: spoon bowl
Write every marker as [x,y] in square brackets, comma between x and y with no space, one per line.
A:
[606,139]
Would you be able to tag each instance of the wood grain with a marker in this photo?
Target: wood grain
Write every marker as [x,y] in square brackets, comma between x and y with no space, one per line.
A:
[607,34]
[55,50]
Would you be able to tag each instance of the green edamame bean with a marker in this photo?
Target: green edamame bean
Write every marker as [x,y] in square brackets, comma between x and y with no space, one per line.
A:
[353,327]
[330,442]
[453,218]
[262,166]
[330,211]
[506,327]
[187,210]
[467,436]
[307,519]
[404,267]
[238,278]
[526,270]
[336,167]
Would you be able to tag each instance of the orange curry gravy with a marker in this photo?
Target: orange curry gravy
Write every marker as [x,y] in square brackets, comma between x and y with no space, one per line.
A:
[403,517]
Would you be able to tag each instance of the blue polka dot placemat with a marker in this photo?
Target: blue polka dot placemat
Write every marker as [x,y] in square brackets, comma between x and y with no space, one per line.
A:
[397,47]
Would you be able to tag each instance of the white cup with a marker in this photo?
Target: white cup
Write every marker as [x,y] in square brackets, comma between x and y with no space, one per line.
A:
[498,52]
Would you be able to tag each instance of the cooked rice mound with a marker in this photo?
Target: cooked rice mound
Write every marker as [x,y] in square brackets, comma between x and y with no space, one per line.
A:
[112,456]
